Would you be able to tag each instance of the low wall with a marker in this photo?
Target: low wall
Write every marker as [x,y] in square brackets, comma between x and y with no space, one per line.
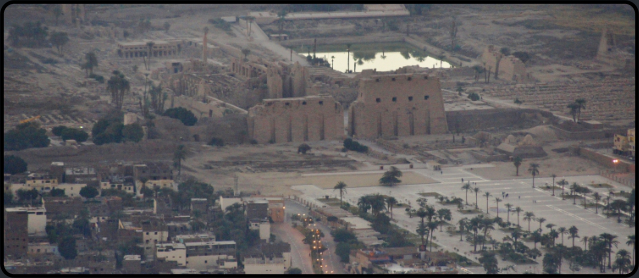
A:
[476,120]
[484,157]
[587,135]
[605,160]
[625,180]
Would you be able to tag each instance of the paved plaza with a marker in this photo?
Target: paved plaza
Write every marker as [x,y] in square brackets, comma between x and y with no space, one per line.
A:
[521,194]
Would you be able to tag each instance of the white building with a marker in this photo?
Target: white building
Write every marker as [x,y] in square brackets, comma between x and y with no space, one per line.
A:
[263,265]
[71,189]
[227,202]
[36,219]
[211,255]
[175,252]
[42,248]
[263,226]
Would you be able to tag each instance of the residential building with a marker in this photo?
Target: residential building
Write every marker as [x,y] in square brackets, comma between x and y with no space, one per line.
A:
[131,264]
[263,226]
[36,218]
[172,252]
[15,233]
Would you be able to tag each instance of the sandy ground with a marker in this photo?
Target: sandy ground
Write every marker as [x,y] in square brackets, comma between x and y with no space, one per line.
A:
[560,166]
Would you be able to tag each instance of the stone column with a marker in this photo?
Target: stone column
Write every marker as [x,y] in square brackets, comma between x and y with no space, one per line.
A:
[204,48]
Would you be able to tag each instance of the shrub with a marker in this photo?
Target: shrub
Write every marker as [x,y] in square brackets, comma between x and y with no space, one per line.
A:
[57,131]
[89,192]
[182,114]
[473,96]
[352,145]
[74,134]
[253,142]
[347,143]
[132,132]
[14,165]
[271,141]
[303,148]
[216,142]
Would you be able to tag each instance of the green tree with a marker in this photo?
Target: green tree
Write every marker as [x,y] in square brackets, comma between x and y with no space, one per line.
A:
[132,133]
[517,210]
[622,262]
[90,63]
[24,136]
[343,251]
[489,262]
[67,248]
[295,270]
[391,176]
[610,241]
[74,134]
[182,114]
[341,186]
[476,190]
[508,207]
[541,220]
[14,165]
[487,195]
[517,161]
[246,52]
[57,131]
[89,192]
[59,39]
[534,170]
[522,56]
[551,263]
[57,192]
[8,198]
[574,233]
[504,51]
[178,156]
[631,241]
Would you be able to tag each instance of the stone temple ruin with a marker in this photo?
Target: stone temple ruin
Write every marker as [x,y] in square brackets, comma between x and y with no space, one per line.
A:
[510,67]
[311,118]
[397,105]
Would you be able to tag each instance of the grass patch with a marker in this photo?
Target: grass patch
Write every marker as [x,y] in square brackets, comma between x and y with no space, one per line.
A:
[462,260]
[334,202]
[549,187]
[601,185]
[623,194]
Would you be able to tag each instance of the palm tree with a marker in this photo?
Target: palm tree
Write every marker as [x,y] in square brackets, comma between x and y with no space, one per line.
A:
[118,85]
[178,156]
[562,231]
[553,184]
[421,213]
[497,200]
[430,212]
[562,183]
[432,226]
[581,104]
[487,225]
[553,234]
[462,223]
[573,231]
[487,194]
[585,241]
[536,237]
[348,56]
[332,64]
[529,216]
[573,189]
[508,206]
[391,201]
[622,262]
[541,220]
[517,161]
[518,210]
[363,203]
[466,187]
[574,108]
[631,241]
[597,197]
[504,51]
[610,241]
[474,225]
[421,231]
[341,186]
[534,170]
[476,189]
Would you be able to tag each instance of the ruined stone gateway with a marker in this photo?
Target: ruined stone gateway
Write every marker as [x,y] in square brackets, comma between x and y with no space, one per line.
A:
[397,105]
[311,118]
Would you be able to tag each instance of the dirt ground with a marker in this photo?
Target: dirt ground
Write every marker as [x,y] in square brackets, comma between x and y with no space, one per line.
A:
[560,166]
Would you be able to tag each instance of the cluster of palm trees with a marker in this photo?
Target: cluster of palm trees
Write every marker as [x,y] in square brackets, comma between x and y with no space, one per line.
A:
[118,85]
[436,218]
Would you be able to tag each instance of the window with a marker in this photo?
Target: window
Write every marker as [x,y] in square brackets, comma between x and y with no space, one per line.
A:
[377,80]
[303,102]
[410,98]
[425,97]
[147,233]
[321,102]
[394,99]
[409,78]
[206,262]
[38,250]
[425,77]
[156,233]
[393,79]
[378,100]
[287,104]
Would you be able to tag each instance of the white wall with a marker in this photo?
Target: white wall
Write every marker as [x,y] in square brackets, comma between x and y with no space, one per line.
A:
[176,255]
[37,221]
[204,262]
[275,268]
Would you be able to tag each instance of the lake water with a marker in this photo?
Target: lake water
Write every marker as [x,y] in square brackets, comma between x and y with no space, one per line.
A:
[371,56]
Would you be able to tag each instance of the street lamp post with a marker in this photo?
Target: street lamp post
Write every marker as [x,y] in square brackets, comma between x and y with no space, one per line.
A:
[615,161]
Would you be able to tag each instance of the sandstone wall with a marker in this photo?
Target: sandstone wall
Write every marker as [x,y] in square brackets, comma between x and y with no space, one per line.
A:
[310,118]
[475,120]
[397,105]
[510,67]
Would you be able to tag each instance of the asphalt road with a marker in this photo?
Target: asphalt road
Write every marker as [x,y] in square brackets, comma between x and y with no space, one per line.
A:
[299,250]
[331,262]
